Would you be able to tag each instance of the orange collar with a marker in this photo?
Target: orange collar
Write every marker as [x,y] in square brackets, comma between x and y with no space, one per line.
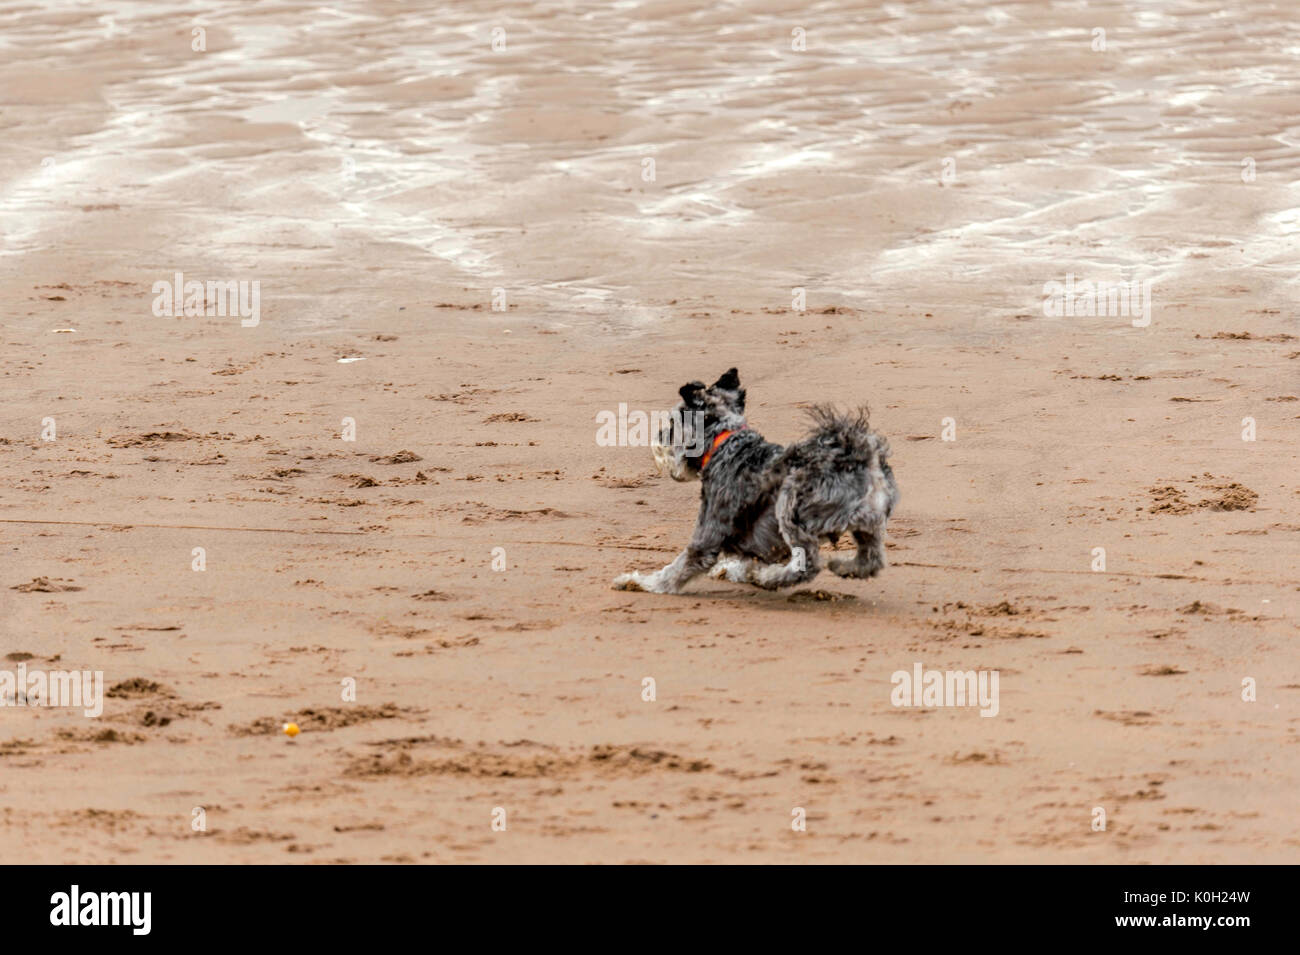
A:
[717,442]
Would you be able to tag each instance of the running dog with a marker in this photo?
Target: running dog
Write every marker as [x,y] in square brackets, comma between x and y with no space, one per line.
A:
[764,508]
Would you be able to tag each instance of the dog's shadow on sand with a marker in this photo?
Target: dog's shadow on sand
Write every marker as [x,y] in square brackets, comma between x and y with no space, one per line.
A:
[804,600]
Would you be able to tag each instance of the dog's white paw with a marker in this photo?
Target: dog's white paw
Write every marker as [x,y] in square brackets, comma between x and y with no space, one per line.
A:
[630,581]
[734,569]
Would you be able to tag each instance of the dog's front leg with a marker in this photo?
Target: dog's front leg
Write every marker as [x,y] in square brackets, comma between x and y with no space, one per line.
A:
[698,557]
[689,564]
[734,568]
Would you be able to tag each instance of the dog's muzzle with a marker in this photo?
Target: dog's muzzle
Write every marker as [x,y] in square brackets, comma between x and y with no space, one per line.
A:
[664,458]
[670,460]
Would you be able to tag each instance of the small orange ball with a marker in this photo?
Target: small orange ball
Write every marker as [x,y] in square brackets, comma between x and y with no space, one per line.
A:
[291,730]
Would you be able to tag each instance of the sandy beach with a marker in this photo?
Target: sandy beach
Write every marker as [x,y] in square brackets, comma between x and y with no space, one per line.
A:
[470,229]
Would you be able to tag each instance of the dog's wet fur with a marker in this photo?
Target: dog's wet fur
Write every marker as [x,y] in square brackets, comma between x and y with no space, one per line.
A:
[764,508]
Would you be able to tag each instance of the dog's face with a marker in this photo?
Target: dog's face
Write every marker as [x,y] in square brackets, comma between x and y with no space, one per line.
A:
[704,412]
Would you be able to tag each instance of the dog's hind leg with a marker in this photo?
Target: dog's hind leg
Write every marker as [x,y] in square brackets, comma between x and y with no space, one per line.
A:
[805,550]
[804,564]
[870,558]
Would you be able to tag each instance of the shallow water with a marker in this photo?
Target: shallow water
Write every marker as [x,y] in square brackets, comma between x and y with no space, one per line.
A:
[391,135]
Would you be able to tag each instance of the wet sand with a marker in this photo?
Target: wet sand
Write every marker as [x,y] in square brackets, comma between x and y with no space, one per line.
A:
[380,170]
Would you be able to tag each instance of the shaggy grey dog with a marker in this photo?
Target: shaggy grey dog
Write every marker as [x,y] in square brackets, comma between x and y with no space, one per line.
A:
[765,509]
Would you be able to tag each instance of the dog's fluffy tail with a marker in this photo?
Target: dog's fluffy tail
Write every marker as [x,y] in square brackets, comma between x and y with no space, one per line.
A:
[840,447]
[847,434]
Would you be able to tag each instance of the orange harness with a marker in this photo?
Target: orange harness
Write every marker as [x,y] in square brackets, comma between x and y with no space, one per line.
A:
[717,442]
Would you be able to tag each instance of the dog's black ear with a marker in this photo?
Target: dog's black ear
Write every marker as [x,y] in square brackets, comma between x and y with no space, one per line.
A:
[730,380]
[691,393]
